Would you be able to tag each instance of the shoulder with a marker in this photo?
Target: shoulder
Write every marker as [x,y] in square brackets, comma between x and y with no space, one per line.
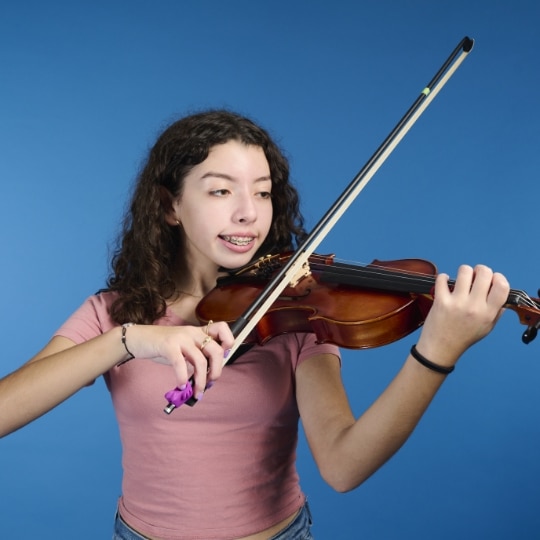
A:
[92,318]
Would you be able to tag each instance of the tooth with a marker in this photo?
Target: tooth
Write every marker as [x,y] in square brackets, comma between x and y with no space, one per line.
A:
[239,240]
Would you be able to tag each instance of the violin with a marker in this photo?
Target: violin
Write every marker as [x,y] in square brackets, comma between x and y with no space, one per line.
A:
[352,306]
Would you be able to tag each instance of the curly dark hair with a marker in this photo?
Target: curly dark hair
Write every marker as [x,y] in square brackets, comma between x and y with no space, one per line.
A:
[148,249]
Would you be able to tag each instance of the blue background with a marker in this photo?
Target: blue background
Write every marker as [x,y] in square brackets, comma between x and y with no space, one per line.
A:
[86,87]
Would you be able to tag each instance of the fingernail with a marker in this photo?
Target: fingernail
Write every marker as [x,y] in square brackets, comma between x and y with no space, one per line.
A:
[200,396]
[183,387]
[226,353]
[209,384]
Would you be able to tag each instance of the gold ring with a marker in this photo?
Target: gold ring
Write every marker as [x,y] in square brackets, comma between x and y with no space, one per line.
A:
[205,342]
[208,326]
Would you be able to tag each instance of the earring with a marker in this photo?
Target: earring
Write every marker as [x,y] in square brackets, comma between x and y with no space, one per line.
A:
[178,223]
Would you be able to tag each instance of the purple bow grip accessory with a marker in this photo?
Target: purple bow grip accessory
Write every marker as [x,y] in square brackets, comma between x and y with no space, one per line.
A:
[178,397]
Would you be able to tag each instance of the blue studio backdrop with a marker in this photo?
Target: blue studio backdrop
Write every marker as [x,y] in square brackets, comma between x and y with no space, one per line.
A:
[85,89]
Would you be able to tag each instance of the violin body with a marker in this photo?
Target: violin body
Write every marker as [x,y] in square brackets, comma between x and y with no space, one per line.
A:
[338,309]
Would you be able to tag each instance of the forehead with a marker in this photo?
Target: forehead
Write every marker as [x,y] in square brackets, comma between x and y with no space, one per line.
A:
[236,158]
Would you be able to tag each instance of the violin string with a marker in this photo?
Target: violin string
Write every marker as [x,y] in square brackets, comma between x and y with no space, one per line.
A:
[379,275]
[521,298]
[383,270]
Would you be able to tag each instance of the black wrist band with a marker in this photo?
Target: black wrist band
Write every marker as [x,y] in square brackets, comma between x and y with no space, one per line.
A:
[125,326]
[430,365]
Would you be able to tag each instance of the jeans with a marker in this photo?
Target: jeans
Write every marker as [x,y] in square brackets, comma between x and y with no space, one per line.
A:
[298,529]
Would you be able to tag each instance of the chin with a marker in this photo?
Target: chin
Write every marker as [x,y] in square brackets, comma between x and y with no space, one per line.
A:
[238,260]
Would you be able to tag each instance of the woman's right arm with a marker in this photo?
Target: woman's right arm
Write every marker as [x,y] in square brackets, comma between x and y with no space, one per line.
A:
[57,372]
[62,367]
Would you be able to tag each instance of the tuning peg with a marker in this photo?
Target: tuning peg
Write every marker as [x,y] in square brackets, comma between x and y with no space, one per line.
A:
[529,334]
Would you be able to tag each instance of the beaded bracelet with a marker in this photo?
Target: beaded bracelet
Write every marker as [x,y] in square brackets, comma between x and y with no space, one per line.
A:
[125,326]
[445,370]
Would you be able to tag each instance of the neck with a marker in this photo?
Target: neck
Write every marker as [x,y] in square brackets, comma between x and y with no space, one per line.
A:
[193,282]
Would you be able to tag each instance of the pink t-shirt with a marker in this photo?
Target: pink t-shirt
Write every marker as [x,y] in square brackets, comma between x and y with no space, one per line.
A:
[222,469]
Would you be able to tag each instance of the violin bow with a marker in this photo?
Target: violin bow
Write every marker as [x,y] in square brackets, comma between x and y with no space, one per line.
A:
[297,264]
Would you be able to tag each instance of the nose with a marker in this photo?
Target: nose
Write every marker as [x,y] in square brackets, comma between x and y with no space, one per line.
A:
[246,210]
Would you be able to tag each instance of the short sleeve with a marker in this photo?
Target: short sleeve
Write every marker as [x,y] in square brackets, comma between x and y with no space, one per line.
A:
[308,348]
[90,320]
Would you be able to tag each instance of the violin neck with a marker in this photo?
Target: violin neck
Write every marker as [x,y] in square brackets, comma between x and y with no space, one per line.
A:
[378,278]
[384,279]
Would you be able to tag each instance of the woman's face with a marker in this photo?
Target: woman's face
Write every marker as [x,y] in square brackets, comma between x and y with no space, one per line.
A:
[225,208]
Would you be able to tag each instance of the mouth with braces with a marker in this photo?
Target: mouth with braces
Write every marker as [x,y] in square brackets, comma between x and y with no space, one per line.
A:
[238,240]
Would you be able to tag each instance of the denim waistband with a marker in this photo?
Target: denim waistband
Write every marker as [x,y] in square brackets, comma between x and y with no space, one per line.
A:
[298,529]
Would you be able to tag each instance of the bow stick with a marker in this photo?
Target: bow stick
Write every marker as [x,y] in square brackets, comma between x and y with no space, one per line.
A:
[298,262]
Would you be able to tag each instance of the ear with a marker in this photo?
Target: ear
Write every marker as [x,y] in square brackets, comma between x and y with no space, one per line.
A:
[167,203]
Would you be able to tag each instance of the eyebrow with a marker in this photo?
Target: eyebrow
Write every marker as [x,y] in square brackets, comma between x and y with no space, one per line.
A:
[212,174]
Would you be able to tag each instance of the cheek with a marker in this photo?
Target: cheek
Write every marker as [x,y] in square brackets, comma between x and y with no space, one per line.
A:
[195,224]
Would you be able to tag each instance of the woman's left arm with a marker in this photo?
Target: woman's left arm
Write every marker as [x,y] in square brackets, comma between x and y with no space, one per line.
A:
[349,450]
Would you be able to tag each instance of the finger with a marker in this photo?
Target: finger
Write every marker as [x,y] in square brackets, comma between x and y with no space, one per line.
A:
[214,353]
[441,286]
[178,363]
[198,363]
[221,333]
[464,280]
[207,329]
[481,285]
[206,340]
[500,289]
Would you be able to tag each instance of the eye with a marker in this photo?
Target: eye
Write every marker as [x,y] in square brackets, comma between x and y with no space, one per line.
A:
[219,192]
[265,195]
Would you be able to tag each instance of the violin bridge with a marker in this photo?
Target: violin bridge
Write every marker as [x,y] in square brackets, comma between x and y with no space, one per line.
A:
[304,272]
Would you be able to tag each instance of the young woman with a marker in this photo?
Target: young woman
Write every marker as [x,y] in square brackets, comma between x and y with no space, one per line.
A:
[215,194]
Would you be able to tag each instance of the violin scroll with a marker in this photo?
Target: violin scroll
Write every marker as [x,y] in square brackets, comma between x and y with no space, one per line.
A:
[528,311]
